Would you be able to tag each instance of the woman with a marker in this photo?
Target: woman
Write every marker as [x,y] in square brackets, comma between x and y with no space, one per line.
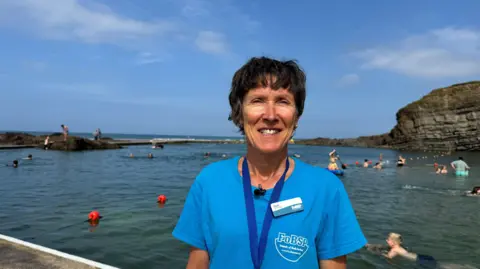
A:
[228,221]
[333,161]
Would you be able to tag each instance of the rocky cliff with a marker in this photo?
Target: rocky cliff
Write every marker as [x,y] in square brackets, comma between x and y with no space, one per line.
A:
[446,119]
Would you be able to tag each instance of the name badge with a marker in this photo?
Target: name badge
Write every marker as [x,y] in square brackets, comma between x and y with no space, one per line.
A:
[287,207]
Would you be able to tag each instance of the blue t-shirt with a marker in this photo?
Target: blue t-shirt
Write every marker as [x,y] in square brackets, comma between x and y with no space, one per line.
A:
[214,219]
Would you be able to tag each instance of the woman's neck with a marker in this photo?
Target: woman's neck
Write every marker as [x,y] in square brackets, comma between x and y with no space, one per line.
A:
[265,166]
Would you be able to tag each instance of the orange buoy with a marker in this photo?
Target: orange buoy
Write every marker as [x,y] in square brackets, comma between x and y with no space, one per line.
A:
[357,163]
[94,216]
[162,199]
[370,162]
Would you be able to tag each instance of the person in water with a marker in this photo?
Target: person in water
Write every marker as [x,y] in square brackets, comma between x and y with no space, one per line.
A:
[395,242]
[378,165]
[14,164]
[401,161]
[150,155]
[475,191]
[225,209]
[333,161]
[365,163]
[460,165]
[29,157]
[442,170]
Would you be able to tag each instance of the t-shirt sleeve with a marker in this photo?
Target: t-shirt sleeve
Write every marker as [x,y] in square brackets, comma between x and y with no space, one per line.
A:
[340,233]
[189,225]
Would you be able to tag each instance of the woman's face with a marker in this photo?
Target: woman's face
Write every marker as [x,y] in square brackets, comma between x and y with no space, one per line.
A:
[269,118]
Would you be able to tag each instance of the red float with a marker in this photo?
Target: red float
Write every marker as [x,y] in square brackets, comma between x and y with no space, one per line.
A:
[162,199]
[94,216]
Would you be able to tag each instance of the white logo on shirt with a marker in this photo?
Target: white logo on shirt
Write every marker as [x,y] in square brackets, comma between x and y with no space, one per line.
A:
[291,247]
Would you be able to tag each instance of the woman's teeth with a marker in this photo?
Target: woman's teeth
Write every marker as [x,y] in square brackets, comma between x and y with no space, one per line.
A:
[269,131]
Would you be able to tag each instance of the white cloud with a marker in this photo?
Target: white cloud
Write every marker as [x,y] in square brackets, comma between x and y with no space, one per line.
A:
[211,42]
[147,58]
[447,52]
[348,80]
[71,20]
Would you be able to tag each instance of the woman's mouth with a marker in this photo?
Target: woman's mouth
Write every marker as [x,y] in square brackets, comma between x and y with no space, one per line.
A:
[269,131]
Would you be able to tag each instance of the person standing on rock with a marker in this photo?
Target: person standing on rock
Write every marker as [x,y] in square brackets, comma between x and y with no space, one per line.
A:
[460,166]
[65,132]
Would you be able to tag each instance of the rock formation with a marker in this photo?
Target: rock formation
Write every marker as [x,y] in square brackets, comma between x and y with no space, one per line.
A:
[446,119]
[73,143]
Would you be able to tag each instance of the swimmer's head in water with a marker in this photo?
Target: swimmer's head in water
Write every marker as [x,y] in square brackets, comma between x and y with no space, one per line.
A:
[30,156]
[394,239]
[460,158]
[476,190]
[366,160]
[15,163]
[150,155]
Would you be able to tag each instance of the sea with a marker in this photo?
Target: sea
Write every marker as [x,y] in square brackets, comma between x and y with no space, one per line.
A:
[47,200]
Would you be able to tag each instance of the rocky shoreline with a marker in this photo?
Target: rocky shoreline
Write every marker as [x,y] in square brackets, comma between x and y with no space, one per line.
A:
[56,142]
[15,140]
[446,119]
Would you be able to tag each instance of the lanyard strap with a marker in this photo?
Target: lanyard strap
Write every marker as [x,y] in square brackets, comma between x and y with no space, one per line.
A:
[257,249]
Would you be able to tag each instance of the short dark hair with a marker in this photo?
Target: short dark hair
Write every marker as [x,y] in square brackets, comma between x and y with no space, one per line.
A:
[460,158]
[266,72]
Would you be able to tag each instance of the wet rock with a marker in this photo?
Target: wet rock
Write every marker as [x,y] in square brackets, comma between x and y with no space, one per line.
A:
[73,143]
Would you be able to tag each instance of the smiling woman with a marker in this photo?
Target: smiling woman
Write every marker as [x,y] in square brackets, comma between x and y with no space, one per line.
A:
[305,219]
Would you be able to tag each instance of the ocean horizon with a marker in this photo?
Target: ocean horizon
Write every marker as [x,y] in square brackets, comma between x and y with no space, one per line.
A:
[126,136]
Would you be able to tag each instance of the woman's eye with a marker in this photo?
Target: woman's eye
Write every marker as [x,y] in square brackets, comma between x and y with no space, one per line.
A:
[256,100]
[285,101]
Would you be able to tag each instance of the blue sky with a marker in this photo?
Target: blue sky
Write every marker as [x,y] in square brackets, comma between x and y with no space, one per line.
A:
[165,66]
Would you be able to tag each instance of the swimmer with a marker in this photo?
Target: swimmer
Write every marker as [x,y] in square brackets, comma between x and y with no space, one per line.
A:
[333,161]
[442,170]
[150,155]
[131,155]
[29,157]
[401,161]
[395,241]
[365,163]
[378,166]
[207,154]
[474,192]
[14,164]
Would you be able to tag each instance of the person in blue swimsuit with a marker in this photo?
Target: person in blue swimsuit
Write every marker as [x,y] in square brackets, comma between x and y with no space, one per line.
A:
[265,209]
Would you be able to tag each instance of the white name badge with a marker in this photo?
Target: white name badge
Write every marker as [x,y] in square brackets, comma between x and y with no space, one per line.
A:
[287,207]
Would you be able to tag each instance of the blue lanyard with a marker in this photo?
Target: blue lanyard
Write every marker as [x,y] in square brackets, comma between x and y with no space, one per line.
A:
[257,249]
